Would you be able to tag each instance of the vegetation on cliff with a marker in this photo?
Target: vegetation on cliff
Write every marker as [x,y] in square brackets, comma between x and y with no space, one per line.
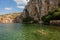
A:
[29,20]
[52,15]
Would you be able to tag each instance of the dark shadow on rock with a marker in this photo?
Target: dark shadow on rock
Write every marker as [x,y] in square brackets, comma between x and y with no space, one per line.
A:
[18,19]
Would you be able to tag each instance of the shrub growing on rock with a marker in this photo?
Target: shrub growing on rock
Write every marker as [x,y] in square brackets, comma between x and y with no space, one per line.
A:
[27,20]
[46,19]
[52,15]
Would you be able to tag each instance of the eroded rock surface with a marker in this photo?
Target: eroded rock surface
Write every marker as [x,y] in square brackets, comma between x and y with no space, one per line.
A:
[37,8]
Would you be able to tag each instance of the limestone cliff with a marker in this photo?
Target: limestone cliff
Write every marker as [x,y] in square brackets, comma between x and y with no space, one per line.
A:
[37,8]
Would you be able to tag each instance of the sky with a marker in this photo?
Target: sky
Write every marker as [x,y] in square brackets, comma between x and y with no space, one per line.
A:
[10,6]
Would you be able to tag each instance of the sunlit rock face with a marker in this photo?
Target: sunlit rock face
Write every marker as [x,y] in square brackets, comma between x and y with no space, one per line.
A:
[7,20]
[31,9]
[37,8]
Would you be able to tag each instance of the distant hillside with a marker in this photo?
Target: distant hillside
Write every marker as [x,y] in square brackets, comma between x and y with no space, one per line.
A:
[8,18]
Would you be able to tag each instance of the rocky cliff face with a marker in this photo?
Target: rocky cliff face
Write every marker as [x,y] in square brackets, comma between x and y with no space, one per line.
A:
[37,8]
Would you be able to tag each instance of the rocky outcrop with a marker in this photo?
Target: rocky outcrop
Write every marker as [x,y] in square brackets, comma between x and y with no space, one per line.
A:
[37,8]
[18,19]
[55,22]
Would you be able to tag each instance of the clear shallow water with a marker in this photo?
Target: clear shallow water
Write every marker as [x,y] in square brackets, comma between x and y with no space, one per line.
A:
[15,32]
[25,31]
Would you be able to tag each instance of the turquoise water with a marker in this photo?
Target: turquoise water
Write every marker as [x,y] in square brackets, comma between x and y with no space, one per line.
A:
[26,31]
[16,32]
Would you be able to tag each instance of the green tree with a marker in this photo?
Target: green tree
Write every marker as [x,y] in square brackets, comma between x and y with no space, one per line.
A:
[27,20]
[52,15]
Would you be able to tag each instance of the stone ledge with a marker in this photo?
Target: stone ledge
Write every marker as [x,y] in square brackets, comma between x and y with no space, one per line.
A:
[55,22]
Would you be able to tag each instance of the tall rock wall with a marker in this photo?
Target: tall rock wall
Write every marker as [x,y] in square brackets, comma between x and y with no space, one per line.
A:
[37,8]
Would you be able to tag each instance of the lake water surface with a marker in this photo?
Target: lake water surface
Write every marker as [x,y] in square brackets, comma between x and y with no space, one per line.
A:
[26,32]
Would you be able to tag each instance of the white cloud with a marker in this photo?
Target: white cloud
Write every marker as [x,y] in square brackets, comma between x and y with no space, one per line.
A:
[21,1]
[8,9]
[20,7]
